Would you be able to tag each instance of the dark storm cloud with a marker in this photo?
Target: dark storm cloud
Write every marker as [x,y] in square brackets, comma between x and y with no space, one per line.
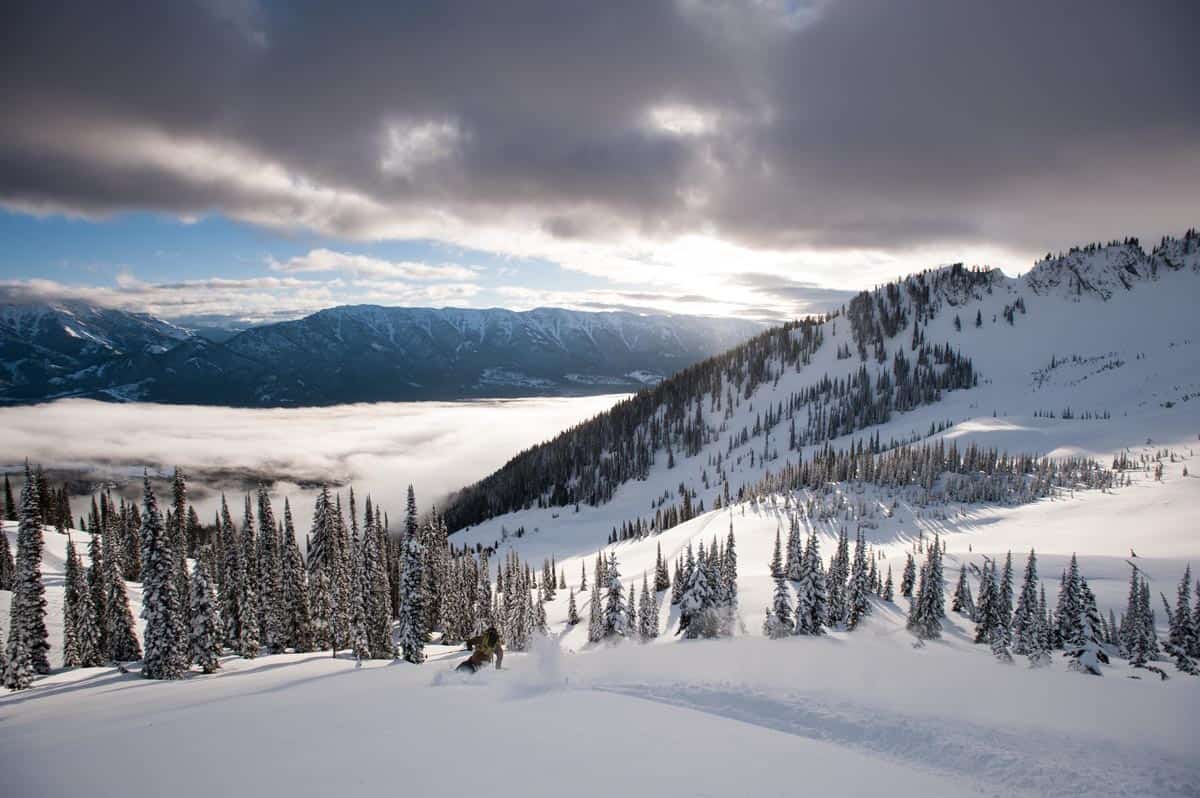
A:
[852,123]
[804,297]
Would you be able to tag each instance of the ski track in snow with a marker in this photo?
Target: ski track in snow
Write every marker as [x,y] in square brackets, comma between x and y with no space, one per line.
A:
[998,762]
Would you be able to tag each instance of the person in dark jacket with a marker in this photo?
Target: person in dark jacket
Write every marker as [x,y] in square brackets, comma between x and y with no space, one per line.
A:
[484,649]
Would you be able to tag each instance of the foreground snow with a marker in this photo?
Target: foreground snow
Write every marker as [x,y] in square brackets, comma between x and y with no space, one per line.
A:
[746,716]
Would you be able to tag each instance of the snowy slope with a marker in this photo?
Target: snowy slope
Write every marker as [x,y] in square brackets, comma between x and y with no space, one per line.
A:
[857,713]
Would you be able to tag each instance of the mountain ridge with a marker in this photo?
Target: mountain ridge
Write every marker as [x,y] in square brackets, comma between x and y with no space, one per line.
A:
[347,353]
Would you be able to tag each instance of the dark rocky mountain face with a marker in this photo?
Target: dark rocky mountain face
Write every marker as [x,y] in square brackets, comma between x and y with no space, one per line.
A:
[347,354]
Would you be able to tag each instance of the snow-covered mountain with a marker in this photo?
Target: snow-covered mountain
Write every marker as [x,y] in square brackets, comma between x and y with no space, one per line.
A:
[1099,332]
[348,354]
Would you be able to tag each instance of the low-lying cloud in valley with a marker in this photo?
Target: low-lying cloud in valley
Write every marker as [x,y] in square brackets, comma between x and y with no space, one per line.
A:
[379,448]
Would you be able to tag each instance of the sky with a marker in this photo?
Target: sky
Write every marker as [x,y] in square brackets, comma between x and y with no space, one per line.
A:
[240,161]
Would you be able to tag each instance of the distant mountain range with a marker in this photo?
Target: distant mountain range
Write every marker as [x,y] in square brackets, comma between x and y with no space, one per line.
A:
[361,353]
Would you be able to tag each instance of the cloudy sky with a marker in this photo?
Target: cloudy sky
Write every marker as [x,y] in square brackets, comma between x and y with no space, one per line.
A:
[251,159]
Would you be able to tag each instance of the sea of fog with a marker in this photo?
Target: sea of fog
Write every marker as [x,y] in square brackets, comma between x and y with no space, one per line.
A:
[378,448]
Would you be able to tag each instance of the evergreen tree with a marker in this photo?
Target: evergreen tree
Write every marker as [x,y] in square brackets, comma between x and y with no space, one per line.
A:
[909,576]
[595,631]
[297,615]
[28,639]
[889,592]
[1182,636]
[7,568]
[10,507]
[985,610]
[648,613]
[120,632]
[204,640]
[165,652]
[73,584]
[379,617]
[231,577]
[1026,623]
[777,571]
[412,629]
[779,622]
[176,528]
[270,582]
[320,602]
[1084,649]
[97,587]
[858,604]
[1070,608]
[662,580]
[926,612]
[249,640]
[795,551]
[962,603]
[616,618]
[1004,606]
[811,593]
[572,611]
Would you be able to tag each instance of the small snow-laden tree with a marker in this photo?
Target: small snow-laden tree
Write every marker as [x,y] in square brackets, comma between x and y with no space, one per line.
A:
[631,617]
[616,618]
[231,577]
[1004,605]
[1084,652]
[572,610]
[795,551]
[28,607]
[776,565]
[7,567]
[985,611]
[595,630]
[165,654]
[928,609]
[779,622]
[249,640]
[87,630]
[73,583]
[726,572]
[811,594]
[297,610]
[648,613]
[121,632]
[908,578]
[204,640]
[889,591]
[320,604]
[1182,636]
[412,629]
[376,589]
[1025,626]
[662,579]
[858,604]
[962,603]
[540,627]
[1070,607]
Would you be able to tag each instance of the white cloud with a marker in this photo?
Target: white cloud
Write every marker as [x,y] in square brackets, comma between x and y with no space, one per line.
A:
[381,448]
[326,260]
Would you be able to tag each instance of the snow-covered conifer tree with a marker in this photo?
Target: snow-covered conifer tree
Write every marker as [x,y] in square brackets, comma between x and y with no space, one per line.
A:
[616,619]
[779,622]
[777,568]
[165,654]
[908,578]
[662,580]
[1025,624]
[648,613]
[73,584]
[412,629]
[962,603]
[858,604]
[120,630]
[297,615]
[572,610]
[204,639]
[889,591]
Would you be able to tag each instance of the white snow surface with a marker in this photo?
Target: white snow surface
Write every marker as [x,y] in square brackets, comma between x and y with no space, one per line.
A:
[856,713]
